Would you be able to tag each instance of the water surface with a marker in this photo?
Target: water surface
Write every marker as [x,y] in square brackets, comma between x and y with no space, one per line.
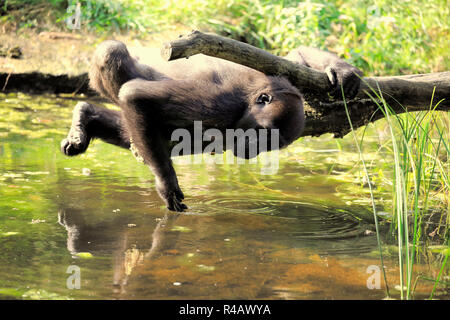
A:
[289,235]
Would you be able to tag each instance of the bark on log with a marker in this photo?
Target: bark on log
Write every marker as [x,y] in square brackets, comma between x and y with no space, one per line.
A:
[402,93]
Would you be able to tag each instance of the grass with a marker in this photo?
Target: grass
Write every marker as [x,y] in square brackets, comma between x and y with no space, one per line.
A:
[419,144]
[380,37]
[366,173]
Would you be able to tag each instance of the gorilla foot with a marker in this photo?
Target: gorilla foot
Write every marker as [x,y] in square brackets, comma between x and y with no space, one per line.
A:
[77,140]
[74,144]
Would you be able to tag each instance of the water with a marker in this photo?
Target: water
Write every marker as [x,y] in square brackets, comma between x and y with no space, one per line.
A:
[290,235]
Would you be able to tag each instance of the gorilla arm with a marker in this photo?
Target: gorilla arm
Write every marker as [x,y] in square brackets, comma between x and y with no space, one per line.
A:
[142,104]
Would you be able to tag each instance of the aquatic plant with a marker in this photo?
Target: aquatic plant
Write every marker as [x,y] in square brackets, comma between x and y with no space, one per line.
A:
[420,151]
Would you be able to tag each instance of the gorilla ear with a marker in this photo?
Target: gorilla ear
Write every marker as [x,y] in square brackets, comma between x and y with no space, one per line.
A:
[264,98]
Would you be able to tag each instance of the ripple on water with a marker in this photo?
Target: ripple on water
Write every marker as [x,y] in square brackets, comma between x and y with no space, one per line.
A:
[304,221]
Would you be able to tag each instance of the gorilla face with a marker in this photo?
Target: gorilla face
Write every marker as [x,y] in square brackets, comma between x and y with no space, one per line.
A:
[273,120]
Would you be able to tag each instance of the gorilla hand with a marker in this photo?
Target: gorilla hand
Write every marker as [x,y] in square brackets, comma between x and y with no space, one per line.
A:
[170,192]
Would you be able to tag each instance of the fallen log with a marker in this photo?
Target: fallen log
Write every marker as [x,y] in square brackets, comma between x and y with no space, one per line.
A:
[39,83]
[324,115]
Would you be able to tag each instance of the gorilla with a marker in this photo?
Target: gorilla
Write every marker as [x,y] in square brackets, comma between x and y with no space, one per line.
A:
[159,97]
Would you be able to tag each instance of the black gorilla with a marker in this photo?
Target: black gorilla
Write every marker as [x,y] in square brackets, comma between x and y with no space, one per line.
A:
[158,98]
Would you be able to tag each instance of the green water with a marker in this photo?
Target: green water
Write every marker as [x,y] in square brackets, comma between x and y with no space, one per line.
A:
[297,234]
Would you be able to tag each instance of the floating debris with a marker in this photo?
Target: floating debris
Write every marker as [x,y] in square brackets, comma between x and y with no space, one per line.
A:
[384,214]
[41,294]
[35,173]
[445,250]
[10,233]
[84,255]
[181,229]
[35,221]
[202,267]
[399,288]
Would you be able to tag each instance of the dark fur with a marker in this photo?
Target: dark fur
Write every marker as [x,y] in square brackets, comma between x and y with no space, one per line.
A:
[158,98]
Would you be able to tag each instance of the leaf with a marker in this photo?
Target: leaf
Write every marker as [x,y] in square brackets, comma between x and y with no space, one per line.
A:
[40,294]
[202,267]
[11,292]
[84,255]
[10,233]
[445,250]
[181,229]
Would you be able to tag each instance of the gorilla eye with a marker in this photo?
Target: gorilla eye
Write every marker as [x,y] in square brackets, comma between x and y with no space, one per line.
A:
[264,99]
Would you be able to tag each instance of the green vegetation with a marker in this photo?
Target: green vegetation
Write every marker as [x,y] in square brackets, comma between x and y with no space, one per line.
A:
[381,37]
[419,145]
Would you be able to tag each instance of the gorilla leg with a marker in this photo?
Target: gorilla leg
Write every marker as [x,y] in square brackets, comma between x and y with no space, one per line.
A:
[111,67]
[89,122]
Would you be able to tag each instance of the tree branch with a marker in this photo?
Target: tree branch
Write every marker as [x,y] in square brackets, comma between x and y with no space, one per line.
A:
[402,93]
[247,55]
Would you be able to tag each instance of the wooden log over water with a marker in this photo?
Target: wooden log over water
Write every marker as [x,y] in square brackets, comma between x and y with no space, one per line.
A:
[402,93]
